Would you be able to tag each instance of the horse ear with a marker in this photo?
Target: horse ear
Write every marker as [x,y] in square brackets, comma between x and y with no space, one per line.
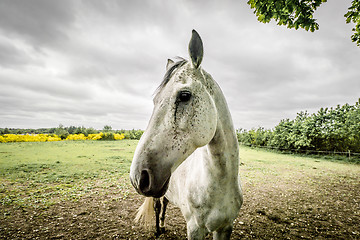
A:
[169,64]
[196,50]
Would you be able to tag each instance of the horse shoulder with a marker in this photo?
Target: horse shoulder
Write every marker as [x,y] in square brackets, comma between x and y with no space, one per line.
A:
[179,181]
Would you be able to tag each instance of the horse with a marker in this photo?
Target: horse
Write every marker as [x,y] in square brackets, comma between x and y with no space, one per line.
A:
[189,153]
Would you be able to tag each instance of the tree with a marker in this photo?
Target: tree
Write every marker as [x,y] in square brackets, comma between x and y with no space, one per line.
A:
[107,128]
[353,15]
[71,129]
[91,131]
[80,130]
[6,131]
[299,13]
[61,132]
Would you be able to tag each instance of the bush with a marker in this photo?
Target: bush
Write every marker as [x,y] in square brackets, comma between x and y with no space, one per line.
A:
[29,138]
[53,137]
[107,136]
[133,134]
[334,129]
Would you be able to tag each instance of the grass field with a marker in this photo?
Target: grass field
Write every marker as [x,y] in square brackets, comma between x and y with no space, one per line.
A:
[81,190]
[38,174]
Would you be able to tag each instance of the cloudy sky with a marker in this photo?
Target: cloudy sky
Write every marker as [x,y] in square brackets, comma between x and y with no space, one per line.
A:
[96,63]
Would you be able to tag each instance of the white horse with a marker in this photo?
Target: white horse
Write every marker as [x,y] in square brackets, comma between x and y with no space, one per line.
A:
[189,151]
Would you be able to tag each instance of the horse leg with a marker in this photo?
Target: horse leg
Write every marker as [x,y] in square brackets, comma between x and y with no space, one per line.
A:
[157,208]
[223,233]
[194,232]
[165,202]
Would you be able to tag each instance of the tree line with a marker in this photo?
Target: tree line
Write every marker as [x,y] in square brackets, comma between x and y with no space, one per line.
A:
[64,132]
[330,129]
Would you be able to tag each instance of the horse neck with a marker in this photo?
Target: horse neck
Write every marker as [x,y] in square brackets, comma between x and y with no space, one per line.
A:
[223,149]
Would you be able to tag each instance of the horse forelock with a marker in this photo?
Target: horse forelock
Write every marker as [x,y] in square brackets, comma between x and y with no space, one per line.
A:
[170,72]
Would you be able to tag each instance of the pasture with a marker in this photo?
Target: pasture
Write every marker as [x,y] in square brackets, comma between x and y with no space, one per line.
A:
[81,190]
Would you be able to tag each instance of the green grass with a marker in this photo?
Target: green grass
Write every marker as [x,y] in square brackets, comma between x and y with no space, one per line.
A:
[64,161]
[267,167]
[40,174]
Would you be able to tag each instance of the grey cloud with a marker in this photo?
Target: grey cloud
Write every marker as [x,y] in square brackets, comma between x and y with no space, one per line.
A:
[11,57]
[40,85]
[40,22]
[98,62]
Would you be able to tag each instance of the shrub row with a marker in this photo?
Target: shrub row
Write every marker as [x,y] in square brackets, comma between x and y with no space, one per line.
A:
[53,137]
[65,132]
[334,129]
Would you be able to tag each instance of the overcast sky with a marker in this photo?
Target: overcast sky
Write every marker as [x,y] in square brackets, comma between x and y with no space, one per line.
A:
[96,63]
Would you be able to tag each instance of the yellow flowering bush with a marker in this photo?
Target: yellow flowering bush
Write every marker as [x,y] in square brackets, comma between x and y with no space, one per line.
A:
[119,136]
[76,137]
[53,137]
[96,136]
[29,138]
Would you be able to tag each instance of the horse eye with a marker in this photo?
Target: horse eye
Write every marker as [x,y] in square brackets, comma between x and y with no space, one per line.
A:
[184,96]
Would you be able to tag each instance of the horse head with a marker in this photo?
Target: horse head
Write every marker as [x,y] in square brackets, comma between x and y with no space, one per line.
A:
[184,118]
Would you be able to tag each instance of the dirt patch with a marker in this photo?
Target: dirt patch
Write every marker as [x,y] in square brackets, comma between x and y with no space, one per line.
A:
[323,208]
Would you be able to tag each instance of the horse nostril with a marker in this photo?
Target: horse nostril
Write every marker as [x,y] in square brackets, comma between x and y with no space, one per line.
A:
[144,184]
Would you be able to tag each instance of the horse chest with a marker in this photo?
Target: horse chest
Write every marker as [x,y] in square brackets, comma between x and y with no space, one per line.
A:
[213,204]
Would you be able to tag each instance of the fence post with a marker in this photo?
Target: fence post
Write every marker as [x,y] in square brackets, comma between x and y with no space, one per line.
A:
[349,154]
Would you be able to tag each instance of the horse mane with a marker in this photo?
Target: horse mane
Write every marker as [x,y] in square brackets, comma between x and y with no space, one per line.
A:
[170,71]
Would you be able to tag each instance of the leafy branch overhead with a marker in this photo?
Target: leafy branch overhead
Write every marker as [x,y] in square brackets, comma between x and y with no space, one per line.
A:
[353,15]
[299,14]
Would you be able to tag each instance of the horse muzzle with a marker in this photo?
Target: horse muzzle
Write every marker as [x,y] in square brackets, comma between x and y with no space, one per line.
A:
[148,184]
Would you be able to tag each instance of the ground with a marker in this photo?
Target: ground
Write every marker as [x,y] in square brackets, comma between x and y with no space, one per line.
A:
[329,210]
[308,199]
